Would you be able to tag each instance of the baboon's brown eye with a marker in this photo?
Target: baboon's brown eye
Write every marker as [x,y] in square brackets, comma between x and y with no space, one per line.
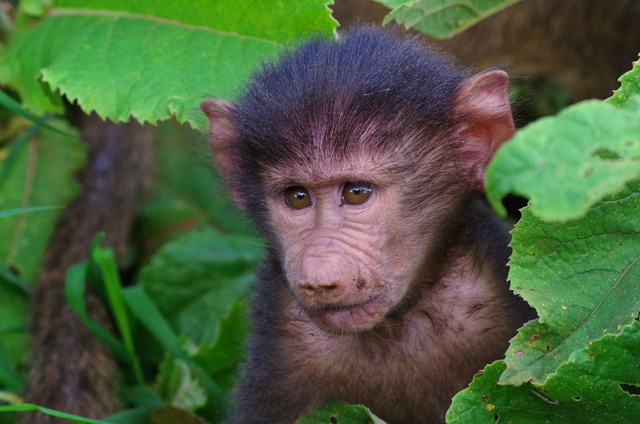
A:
[297,197]
[356,193]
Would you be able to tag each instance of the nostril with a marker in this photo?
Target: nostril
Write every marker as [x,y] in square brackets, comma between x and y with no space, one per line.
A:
[318,288]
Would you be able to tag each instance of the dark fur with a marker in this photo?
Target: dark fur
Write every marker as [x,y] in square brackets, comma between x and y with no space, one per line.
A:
[319,101]
[326,94]
[278,389]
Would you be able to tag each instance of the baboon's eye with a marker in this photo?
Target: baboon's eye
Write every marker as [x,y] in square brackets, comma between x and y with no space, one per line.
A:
[297,197]
[356,193]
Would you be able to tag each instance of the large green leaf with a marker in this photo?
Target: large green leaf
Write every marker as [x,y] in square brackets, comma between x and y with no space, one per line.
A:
[196,279]
[199,281]
[39,174]
[581,276]
[150,59]
[596,385]
[442,18]
[220,357]
[567,163]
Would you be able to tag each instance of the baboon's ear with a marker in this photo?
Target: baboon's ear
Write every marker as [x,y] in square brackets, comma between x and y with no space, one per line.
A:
[224,136]
[483,111]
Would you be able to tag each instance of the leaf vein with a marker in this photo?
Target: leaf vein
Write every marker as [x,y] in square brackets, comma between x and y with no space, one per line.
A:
[161,21]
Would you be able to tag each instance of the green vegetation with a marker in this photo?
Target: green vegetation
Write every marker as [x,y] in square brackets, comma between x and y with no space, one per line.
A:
[182,319]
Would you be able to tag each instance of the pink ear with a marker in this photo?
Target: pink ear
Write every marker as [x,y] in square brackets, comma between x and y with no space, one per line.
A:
[484,121]
[223,138]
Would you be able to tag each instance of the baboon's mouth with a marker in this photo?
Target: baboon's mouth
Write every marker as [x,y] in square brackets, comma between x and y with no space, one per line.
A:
[350,318]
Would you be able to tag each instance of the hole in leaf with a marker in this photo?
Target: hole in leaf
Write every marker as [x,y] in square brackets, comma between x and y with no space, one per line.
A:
[631,389]
[496,417]
[605,154]
[577,398]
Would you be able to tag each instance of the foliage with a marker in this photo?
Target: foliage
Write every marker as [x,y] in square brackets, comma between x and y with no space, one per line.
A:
[578,360]
[340,413]
[441,18]
[123,49]
[182,320]
[594,145]
[596,384]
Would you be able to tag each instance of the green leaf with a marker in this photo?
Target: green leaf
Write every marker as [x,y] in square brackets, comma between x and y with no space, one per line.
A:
[567,163]
[35,180]
[442,18]
[484,399]
[150,59]
[630,86]
[196,281]
[582,278]
[221,358]
[336,412]
[196,278]
[596,385]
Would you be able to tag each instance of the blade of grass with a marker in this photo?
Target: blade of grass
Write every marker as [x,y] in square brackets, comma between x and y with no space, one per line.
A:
[13,212]
[106,260]
[15,107]
[30,407]
[148,314]
[75,294]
